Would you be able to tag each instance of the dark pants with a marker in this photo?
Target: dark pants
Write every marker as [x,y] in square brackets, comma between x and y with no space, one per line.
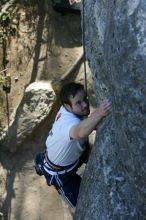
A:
[67,185]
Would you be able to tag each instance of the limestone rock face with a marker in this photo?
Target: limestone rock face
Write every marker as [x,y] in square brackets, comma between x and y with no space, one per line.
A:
[114,182]
[33,109]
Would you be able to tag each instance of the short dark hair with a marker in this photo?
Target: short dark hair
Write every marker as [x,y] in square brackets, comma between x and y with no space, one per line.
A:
[70,89]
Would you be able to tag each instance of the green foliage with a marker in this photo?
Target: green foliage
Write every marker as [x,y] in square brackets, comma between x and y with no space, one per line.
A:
[5,19]
[2,80]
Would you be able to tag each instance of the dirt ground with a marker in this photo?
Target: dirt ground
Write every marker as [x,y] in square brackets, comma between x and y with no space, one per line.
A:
[45,47]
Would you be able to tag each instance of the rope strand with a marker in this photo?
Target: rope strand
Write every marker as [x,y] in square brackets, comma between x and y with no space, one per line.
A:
[84,51]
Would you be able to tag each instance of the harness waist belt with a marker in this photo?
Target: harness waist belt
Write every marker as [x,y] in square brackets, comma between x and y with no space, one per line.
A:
[57,167]
[53,171]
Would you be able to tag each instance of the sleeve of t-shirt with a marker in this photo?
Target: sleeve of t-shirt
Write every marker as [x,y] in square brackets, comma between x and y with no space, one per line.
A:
[67,125]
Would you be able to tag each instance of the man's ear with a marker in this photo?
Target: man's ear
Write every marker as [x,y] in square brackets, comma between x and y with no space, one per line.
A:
[68,107]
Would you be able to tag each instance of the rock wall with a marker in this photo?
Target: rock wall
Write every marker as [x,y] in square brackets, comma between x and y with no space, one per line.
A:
[113,186]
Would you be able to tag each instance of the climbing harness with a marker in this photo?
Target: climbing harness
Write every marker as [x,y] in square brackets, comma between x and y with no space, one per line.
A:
[42,160]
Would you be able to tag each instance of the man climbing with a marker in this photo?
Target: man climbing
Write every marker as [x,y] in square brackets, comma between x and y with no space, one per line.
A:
[65,143]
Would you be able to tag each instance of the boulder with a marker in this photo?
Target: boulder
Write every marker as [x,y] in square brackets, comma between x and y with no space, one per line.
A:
[33,109]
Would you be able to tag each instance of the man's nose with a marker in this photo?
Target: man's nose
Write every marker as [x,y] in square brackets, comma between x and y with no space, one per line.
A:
[84,103]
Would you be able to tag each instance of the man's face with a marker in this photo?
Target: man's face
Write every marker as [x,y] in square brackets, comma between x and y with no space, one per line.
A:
[79,104]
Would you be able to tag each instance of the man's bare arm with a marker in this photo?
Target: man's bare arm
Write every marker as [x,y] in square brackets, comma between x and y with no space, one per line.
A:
[86,126]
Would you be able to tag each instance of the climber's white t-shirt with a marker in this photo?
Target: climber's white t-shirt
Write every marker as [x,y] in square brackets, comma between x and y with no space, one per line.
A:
[61,149]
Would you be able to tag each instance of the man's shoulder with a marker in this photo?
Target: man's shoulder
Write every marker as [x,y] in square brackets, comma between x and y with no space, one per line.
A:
[65,118]
[66,113]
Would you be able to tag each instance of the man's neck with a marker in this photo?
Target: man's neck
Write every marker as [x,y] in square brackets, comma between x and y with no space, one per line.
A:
[78,116]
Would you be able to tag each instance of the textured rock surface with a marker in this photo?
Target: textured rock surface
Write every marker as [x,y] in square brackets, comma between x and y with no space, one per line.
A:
[113,187]
[33,109]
